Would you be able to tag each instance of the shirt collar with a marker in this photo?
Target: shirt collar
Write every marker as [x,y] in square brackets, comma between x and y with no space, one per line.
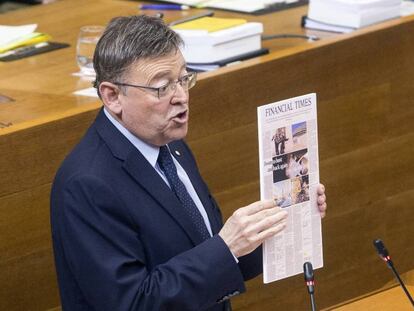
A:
[150,152]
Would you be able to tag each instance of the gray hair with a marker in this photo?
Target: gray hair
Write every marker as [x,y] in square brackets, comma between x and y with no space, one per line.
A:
[128,39]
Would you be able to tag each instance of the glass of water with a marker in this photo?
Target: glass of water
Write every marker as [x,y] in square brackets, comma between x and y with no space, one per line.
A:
[88,37]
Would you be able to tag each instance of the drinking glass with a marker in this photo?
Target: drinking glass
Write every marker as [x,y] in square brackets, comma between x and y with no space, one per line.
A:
[87,39]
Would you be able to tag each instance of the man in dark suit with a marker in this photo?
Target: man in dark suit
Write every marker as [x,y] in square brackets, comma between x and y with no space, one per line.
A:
[134,226]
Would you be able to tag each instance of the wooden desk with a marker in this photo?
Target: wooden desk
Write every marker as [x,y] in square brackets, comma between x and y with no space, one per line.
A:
[365,93]
[389,300]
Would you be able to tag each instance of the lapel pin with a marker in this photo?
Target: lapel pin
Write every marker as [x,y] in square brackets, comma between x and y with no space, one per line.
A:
[177,152]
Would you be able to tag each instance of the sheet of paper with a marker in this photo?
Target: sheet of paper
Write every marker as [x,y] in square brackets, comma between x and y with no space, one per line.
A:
[407,8]
[9,34]
[247,6]
[244,5]
[210,24]
[289,174]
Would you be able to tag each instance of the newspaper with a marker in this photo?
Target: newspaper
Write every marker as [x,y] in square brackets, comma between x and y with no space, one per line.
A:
[289,173]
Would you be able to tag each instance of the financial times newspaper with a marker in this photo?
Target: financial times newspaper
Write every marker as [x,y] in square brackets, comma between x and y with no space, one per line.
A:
[289,174]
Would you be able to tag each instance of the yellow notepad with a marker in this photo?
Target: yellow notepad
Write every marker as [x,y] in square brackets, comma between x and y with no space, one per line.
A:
[210,24]
[29,39]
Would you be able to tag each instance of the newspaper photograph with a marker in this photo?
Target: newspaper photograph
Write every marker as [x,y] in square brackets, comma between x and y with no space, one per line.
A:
[289,174]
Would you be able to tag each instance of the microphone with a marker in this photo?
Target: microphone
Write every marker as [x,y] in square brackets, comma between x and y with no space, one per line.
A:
[310,283]
[383,253]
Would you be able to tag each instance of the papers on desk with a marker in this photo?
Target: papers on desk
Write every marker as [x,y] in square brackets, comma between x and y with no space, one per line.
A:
[245,6]
[407,8]
[350,13]
[9,34]
[210,24]
[316,25]
[203,45]
[289,174]
[226,62]
[12,37]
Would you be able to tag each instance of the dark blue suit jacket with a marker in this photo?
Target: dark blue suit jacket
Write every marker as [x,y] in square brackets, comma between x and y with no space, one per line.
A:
[123,242]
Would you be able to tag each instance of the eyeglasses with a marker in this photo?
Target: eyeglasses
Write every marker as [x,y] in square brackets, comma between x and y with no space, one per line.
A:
[186,82]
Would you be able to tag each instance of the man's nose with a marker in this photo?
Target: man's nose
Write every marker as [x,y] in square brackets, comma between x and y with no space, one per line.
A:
[180,94]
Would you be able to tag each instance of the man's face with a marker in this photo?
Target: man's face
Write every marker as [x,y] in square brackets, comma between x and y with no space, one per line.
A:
[156,121]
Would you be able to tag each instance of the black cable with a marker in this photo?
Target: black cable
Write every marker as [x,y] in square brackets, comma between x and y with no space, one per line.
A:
[290,35]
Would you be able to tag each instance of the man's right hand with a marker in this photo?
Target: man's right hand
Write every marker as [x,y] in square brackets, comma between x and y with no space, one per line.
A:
[249,226]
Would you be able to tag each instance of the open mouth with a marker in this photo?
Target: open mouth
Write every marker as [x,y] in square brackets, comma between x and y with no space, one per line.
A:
[182,114]
[181,117]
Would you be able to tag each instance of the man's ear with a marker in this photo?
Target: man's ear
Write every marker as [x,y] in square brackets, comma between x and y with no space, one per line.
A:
[110,95]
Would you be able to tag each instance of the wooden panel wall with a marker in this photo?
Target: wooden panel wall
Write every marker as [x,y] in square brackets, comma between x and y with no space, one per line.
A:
[28,162]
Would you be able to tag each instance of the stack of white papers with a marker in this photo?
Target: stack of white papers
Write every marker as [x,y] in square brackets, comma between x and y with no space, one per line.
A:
[407,8]
[315,25]
[9,34]
[14,36]
[353,13]
[201,46]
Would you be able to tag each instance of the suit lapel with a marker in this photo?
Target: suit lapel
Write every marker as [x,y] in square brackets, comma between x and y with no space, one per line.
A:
[142,171]
[144,174]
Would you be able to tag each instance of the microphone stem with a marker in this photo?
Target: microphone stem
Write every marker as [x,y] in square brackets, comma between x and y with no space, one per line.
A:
[394,271]
[312,299]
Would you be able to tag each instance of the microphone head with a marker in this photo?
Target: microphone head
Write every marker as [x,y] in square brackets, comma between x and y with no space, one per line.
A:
[308,271]
[380,247]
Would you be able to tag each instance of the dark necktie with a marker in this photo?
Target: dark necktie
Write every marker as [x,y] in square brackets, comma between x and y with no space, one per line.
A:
[166,163]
